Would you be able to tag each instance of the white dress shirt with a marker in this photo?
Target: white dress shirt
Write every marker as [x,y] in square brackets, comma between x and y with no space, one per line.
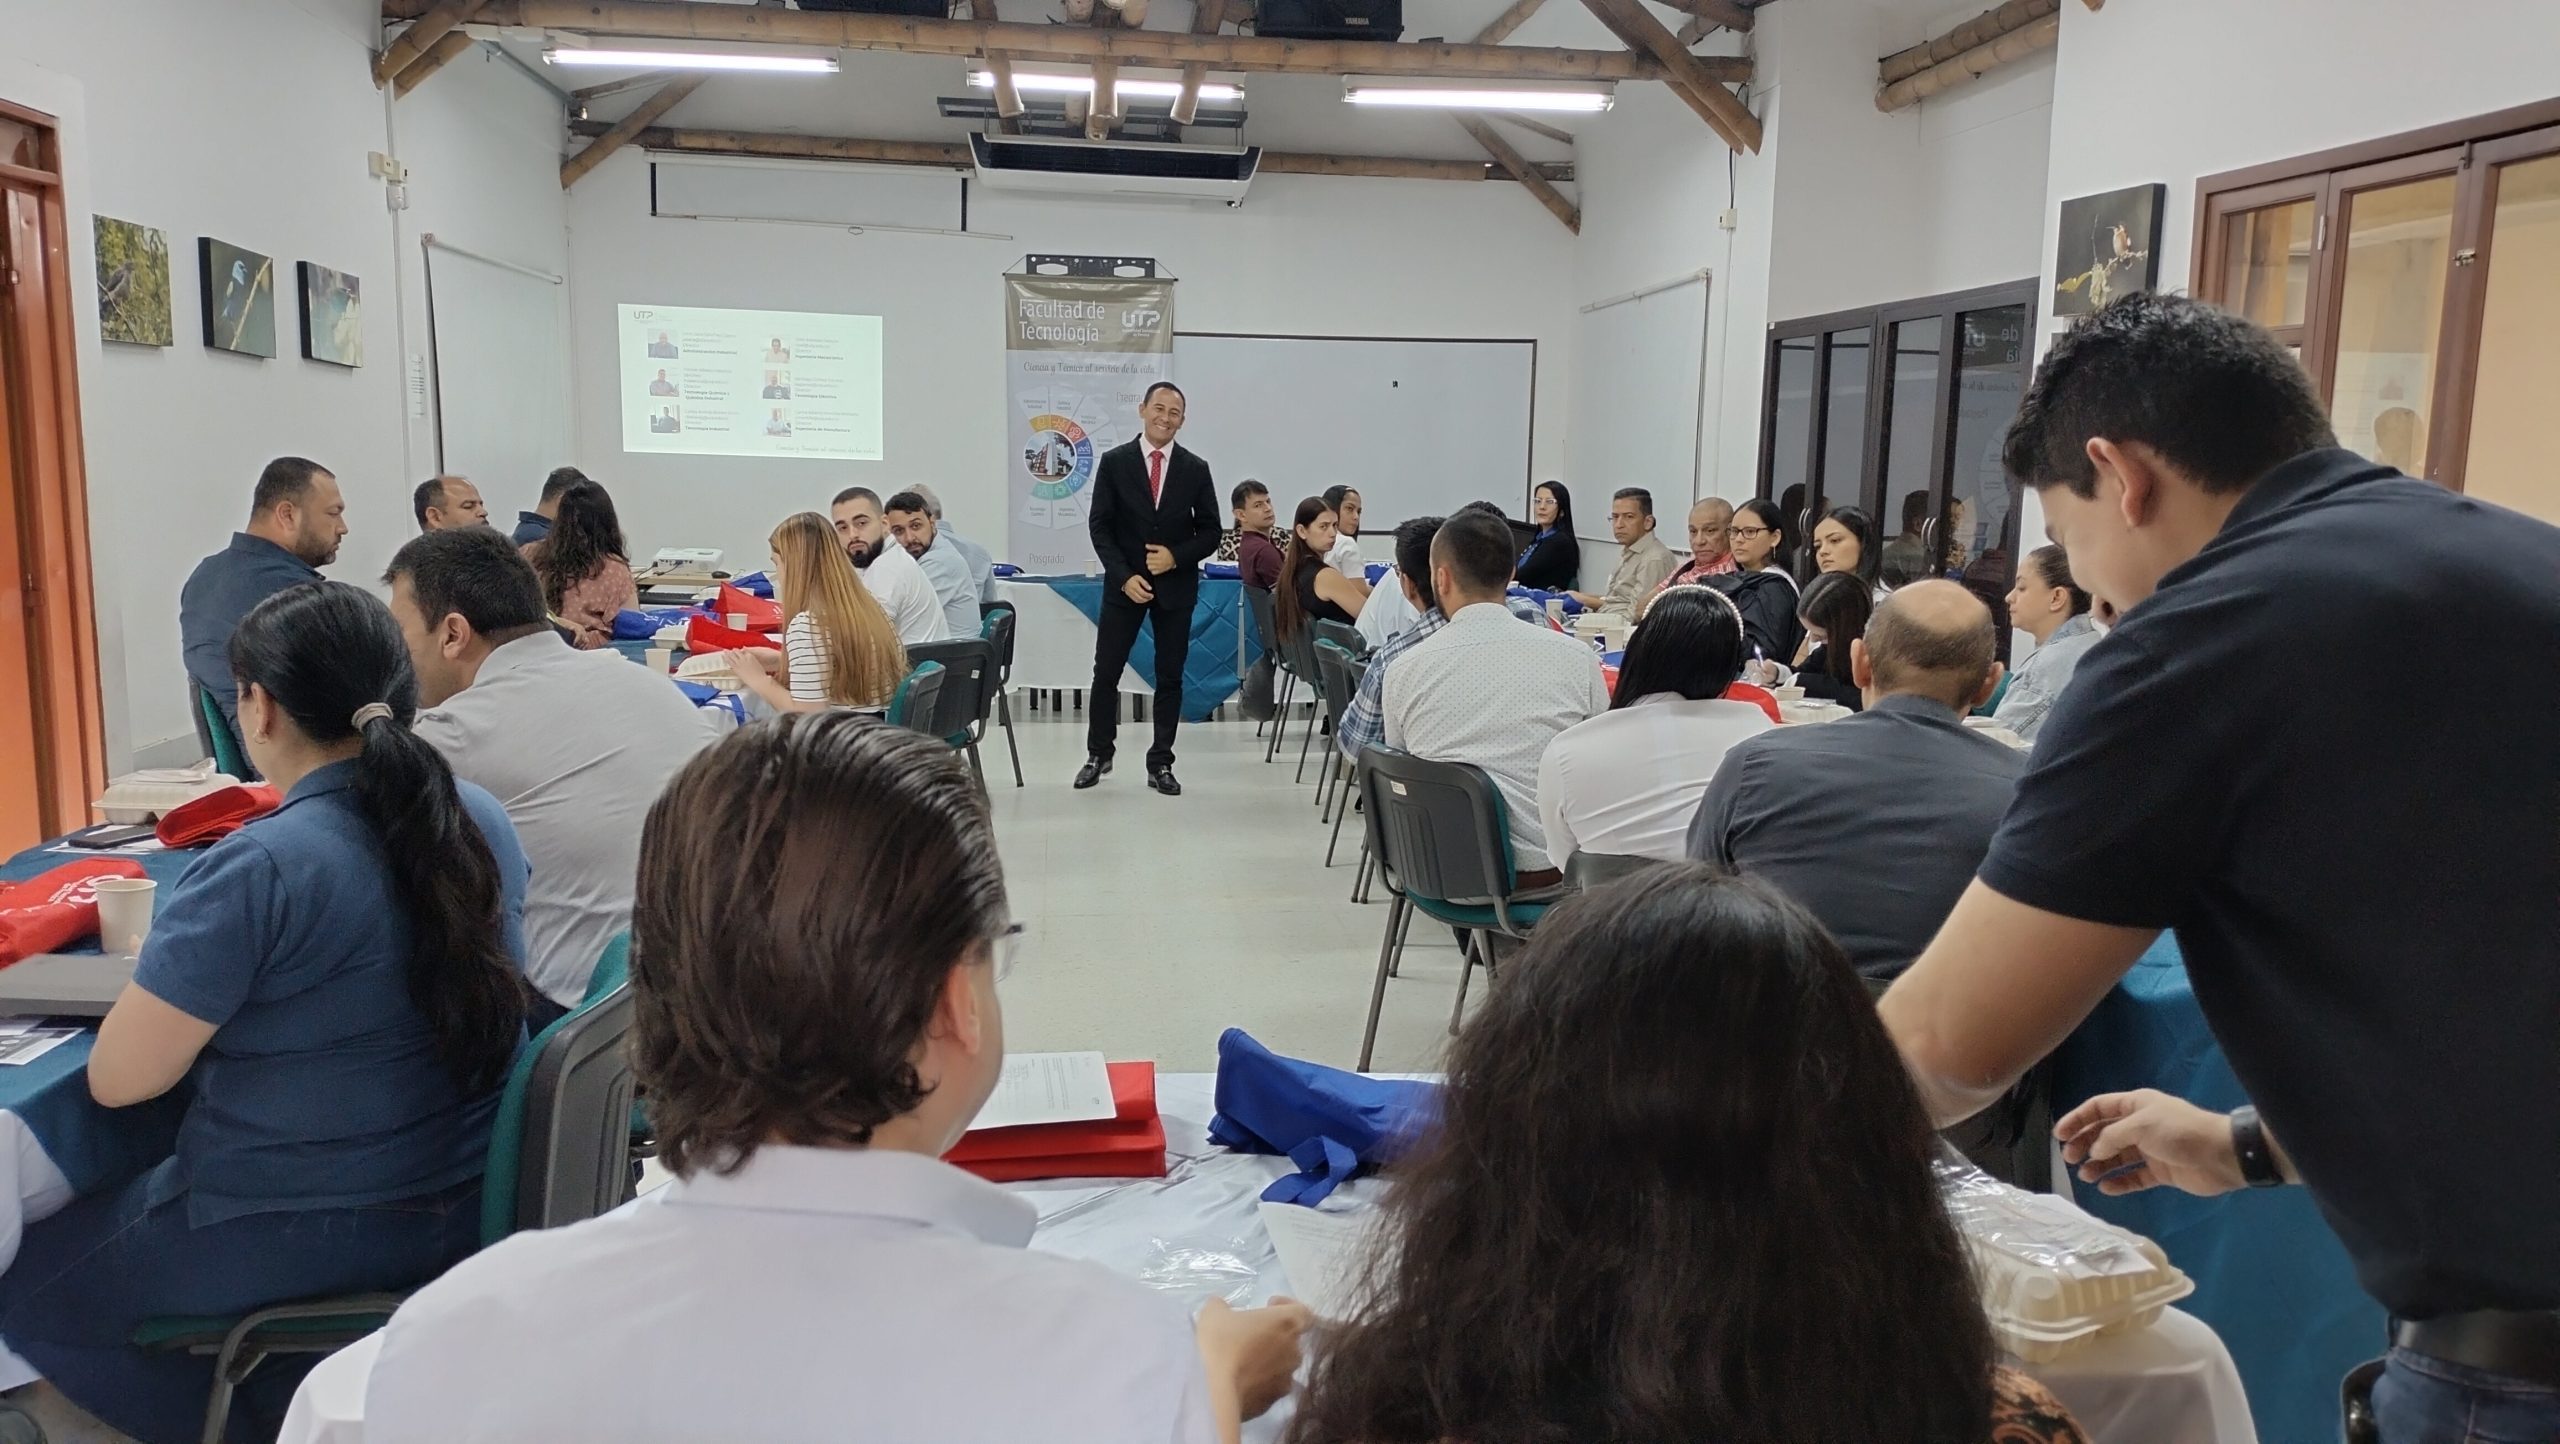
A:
[955,590]
[1487,691]
[576,746]
[815,1294]
[1627,782]
[899,584]
[1386,615]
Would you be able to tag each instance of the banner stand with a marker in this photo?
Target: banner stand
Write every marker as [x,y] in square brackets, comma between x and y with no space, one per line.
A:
[1084,339]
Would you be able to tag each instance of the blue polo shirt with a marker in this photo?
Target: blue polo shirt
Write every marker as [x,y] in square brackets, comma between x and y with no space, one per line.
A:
[2360,855]
[531,527]
[225,587]
[321,1087]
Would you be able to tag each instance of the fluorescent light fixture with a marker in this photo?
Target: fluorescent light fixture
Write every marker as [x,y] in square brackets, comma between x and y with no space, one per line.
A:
[1452,98]
[696,60]
[1034,82]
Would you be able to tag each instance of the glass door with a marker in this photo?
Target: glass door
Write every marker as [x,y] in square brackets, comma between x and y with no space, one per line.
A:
[2395,231]
[1915,402]
[1977,538]
[2495,445]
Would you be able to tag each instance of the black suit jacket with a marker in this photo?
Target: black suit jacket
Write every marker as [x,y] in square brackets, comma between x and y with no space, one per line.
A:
[1124,520]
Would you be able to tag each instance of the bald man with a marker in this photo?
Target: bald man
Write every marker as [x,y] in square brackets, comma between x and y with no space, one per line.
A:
[1710,552]
[445,502]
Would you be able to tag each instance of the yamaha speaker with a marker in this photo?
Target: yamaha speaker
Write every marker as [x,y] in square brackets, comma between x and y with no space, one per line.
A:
[1329,19]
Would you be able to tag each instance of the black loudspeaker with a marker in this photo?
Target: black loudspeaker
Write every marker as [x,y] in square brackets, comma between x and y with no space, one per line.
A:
[922,9]
[1329,19]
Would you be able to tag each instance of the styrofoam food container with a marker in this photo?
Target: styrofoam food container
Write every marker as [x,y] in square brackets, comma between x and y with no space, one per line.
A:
[2053,1278]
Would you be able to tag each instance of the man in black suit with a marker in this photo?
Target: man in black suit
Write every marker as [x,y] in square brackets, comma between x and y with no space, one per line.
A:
[1154,520]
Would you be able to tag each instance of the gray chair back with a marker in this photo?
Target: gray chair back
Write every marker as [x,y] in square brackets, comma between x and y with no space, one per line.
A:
[1343,635]
[576,1158]
[1437,829]
[1266,624]
[996,623]
[917,697]
[1335,678]
[968,666]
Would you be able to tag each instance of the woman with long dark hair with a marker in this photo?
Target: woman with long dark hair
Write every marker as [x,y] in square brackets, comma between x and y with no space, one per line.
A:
[1763,589]
[585,566]
[1845,541]
[341,981]
[1309,590]
[1627,782]
[1834,612]
[1553,560]
[1679,1189]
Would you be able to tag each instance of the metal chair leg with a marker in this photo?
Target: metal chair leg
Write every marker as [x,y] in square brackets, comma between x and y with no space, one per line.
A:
[1378,990]
[1332,777]
[1004,715]
[1467,970]
[1360,878]
[1280,714]
[976,769]
[1307,740]
[1341,812]
[1395,968]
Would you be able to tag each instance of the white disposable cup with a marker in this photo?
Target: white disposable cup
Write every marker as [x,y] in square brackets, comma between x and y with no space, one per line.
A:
[124,913]
[737,621]
[662,659]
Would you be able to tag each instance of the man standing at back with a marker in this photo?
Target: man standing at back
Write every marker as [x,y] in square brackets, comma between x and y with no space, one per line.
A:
[895,579]
[1643,560]
[296,520]
[911,526]
[1154,520]
[2363,873]
[444,502]
[575,745]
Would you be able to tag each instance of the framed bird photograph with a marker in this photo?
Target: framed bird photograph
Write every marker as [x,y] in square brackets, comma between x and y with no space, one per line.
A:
[2109,246]
[239,291]
[133,283]
[332,316]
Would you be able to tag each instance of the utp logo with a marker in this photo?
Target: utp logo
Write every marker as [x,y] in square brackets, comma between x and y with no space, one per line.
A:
[1141,319]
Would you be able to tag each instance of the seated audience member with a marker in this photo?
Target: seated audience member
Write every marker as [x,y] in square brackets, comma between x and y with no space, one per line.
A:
[445,502]
[1906,557]
[1626,782]
[815,958]
[1760,584]
[1345,557]
[575,745]
[1361,724]
[1845,541]
[1680,1188]
[2048,606]
[1386,614]
[1834,613]
[1643,561]
[339,983]
[1875,823]
[585,566]
[838,647]
[532,526]
[1710,548]
[1486,691]
[1310,591]
[1553,560]
[894,577]
[911,526]
[982,563]
[1257,556]
[296,520]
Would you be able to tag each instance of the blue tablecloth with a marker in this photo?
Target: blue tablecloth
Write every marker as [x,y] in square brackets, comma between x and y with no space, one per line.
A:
[93,1146]
[1209,673]
[2271,1278]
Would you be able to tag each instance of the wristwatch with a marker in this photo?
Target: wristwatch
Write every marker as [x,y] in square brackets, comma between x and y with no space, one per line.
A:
[2258,1166]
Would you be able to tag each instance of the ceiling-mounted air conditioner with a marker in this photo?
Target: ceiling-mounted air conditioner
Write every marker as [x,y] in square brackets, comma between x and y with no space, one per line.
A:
[1107,168]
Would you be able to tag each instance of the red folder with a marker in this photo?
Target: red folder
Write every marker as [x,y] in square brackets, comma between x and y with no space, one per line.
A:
[1765,699]
[217,815]
[1130,1144]
[58,907]
[705,635]
[762,614]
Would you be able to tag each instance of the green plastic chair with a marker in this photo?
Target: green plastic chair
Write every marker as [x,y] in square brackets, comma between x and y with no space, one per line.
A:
[324,1326]
[912,705]
[213,732]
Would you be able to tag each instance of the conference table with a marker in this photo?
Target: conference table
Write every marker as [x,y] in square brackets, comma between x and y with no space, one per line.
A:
[1197,1234]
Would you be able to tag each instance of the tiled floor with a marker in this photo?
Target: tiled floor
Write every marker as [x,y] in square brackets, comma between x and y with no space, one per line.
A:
[1152,923]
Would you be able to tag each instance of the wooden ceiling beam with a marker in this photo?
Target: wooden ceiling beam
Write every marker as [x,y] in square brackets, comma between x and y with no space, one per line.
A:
[1982,29]
[433,24]
[1534,127]
[1207,16]
[646,80]
[1508,21]
[620,133]
[1106,101]
[1526,174]
[1968,67]
[686,20]
[439,55]
[1717,13]
[681,140]
[1692,79]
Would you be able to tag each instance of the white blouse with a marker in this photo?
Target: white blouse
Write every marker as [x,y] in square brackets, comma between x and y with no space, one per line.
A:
[1627,782]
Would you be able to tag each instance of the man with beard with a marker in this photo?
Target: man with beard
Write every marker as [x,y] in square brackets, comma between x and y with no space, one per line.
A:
[896,581]
[296,520]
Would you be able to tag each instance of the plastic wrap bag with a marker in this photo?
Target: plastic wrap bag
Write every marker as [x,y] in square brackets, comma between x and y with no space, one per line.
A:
[2053,1278]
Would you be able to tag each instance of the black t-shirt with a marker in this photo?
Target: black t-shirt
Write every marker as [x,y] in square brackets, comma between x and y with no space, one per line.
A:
[2360,854]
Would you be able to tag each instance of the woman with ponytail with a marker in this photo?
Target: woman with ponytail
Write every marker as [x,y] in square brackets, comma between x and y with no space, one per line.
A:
[340,982]
[585,566]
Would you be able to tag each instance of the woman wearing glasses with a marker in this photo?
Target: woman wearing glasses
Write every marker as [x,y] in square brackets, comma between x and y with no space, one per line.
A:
[1762,590]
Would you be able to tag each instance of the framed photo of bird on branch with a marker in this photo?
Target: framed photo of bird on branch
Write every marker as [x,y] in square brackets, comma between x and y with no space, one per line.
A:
[2108,246]
[239,290]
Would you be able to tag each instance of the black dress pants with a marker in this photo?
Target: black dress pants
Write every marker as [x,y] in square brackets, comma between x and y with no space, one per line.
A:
[1170,614]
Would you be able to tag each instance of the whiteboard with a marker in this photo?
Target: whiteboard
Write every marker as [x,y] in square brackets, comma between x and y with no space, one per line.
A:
[501,342]
[1417,427]
[1636,403]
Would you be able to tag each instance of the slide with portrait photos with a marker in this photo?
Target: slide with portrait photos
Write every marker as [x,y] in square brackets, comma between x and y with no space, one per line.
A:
[705,382]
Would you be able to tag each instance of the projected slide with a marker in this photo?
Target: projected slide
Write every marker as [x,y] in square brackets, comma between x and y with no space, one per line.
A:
[750,383]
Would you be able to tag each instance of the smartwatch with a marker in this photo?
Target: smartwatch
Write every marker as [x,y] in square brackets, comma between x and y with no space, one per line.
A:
[2258,1166]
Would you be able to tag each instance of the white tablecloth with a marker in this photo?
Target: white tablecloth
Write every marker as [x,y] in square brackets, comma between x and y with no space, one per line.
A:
[1197,1233]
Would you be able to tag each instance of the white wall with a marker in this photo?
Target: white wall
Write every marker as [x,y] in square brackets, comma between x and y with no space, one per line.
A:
[1304,255]
[250,121]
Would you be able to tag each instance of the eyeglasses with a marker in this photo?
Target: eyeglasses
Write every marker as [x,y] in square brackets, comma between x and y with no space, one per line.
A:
[1006,948]
[1748,532]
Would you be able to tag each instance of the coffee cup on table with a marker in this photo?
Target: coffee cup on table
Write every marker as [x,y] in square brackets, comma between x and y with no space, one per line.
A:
[125,906]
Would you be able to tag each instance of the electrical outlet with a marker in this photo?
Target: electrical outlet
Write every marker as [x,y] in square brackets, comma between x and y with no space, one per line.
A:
[1729,219]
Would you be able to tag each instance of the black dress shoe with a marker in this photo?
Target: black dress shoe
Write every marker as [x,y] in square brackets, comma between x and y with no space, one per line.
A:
[1093,770]
[1161,779]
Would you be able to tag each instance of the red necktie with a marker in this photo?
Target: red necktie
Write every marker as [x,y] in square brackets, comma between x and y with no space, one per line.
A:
[1155,477]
